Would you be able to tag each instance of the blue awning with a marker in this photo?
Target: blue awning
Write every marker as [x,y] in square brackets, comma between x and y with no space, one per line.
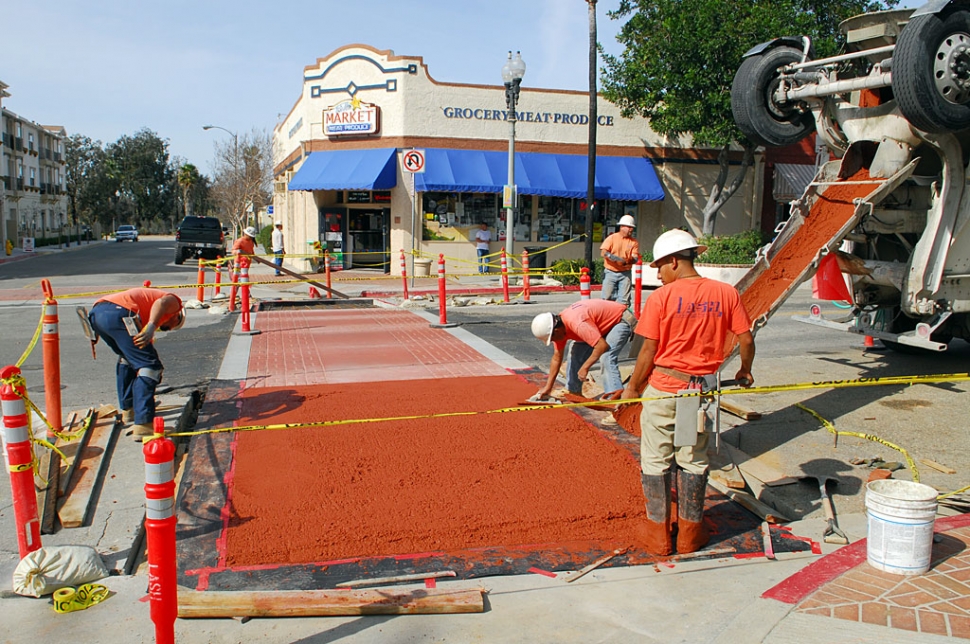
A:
[347,170]
[555,175]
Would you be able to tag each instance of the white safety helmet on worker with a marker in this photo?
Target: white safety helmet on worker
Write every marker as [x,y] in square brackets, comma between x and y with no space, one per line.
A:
[627,220]
[250,232]
[542,327]
[278,223]
[673,242]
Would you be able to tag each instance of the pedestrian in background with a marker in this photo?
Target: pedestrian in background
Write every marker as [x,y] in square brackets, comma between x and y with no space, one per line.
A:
[482,236]
[620,251]
[277,243]
[599,330]
[127,322]
[686,324]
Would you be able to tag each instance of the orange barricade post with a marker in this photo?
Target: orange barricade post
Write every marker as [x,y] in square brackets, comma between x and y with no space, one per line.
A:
[200,292]
[505,278]
[637,287]
[326,259]
[584,284]
[244,304]
[525,276]
[52,359]
[234,273]
[19,455]
[217,288]
[160,532]
[404,274]
[442,311]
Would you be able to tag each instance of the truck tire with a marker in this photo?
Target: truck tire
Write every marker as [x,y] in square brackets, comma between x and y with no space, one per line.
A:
[757,116]
[179,257]
[932,49]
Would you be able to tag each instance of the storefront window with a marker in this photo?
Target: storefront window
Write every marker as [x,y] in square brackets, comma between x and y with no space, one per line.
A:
[561,219]
[616,209]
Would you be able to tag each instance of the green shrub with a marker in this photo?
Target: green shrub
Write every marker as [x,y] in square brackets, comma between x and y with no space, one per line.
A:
[265,239]
[575,266]
[732,249]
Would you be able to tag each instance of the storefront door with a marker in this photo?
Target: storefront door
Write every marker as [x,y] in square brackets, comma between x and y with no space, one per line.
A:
[369,238]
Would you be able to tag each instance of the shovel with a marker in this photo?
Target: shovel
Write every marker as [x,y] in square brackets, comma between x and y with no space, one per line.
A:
[832,532]
[82,314]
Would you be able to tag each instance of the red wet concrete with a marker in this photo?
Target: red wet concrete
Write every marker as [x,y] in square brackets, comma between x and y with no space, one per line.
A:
[306,347]
[416,486]
[844,586]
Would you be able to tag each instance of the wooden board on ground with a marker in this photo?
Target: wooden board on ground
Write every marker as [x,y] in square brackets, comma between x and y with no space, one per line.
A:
[72,449]
[723,468]
[75,507]
[750,503]
[939,467]
[751,466]
[50,469]
[739,411]
[314,603]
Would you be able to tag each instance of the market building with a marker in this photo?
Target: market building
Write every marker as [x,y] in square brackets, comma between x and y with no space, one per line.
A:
[340,180]
[33,200]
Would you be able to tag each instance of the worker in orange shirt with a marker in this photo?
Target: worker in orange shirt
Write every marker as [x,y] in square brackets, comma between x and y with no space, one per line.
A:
[685,325]
[620,251]
[245,247]
[127,322]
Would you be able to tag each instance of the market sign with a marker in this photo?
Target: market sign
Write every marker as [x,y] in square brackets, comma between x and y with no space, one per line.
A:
[352,117]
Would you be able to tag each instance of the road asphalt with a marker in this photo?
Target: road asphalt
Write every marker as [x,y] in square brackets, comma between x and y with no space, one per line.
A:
[720,600]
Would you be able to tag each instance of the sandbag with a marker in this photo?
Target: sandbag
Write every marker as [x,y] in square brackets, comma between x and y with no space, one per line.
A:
[48,569]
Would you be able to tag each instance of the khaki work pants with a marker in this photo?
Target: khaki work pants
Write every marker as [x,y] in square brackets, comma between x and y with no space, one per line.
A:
[657,449]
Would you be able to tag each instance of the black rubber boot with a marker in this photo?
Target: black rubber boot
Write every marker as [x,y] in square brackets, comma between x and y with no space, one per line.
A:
[656,489]
[692,534]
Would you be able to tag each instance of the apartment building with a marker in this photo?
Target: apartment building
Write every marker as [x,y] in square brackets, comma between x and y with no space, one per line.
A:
[33,202]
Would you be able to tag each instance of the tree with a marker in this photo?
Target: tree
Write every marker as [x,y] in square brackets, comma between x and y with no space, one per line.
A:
[188,177]
[83,160]
[243,176]
[140,169]
[680,57]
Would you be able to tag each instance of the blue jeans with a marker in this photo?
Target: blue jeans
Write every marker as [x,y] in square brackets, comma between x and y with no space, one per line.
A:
[138,371]
[482,262]
[579,353]
[278,260]
[616,286]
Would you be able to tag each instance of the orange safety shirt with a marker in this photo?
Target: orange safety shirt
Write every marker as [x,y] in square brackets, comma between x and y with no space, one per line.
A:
[140,302]
[625,247]
[690,319]
[589,320]
[244,246]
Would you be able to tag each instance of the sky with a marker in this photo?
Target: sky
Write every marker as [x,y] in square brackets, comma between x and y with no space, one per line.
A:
[110,67]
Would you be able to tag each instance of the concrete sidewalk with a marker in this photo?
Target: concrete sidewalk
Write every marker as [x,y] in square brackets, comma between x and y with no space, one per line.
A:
[795,598]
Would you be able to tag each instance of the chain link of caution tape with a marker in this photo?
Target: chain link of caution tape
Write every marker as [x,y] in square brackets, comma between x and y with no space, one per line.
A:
[69,600]
[827,384]
[869,437]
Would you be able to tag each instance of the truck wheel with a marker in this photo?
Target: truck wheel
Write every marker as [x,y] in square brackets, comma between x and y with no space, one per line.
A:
[931,71]
[759,118]
[179,257]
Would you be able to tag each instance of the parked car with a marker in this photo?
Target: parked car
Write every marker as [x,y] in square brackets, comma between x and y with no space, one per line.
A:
[126,232]
[199,237]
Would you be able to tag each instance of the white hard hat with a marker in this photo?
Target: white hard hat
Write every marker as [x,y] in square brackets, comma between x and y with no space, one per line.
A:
[627,220]
[543,326]
[278,223]
[250,232]
[672,242]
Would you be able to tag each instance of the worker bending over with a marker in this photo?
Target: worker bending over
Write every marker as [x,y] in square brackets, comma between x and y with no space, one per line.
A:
[127,322]
[686,324]
[599,329]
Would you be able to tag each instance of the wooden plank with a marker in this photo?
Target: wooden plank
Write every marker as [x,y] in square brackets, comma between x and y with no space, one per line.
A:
[397,579]
[72,449]
[751,466]
[748,502]
[939,467]
[724,470]
[303,278]
[317,603]
[50,469]
[76,506]
[739,411]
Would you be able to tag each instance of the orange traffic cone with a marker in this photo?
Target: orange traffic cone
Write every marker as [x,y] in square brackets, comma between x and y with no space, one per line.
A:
[314,293]
[868,343]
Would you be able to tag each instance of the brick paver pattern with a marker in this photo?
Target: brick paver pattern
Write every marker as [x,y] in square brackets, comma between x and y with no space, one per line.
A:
[936,602]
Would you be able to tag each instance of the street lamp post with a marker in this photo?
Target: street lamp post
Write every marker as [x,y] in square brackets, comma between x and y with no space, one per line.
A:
[235,148]
[512,73]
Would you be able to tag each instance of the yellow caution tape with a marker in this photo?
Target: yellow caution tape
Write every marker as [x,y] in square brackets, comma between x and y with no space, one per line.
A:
[68,600]
[33,341]
[869,437]
[828,384]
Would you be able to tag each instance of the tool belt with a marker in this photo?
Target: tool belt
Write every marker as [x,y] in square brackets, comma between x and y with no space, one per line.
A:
[704,383]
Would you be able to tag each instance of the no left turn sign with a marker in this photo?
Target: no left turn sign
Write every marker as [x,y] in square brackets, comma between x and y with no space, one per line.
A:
[413,161]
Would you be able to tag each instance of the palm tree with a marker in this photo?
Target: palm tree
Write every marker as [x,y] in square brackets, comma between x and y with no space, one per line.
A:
[188,177]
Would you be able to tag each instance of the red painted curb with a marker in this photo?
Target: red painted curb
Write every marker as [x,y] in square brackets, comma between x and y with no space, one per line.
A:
[820,572]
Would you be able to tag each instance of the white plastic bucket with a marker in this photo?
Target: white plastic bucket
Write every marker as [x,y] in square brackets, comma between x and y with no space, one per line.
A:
[901,517]
[422,266]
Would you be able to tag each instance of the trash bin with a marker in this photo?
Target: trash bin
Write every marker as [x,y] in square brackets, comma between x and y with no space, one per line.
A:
[422,266]
[537,258]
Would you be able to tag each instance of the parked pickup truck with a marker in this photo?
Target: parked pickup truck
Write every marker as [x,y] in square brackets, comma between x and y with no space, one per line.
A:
[199,237]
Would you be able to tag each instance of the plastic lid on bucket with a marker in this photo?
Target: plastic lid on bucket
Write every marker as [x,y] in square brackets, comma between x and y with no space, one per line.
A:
[903,490]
